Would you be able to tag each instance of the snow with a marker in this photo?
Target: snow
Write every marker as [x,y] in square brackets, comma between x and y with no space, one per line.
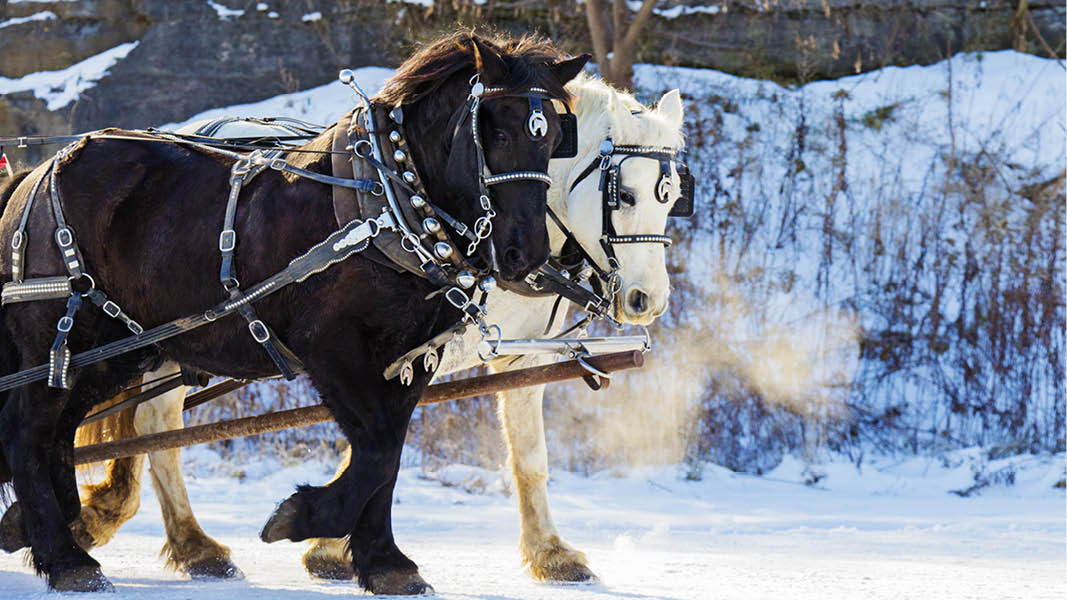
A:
[890,530]
[311,17]
[44,15]
[225,12]
[677,11]
[323,104]
[60,88]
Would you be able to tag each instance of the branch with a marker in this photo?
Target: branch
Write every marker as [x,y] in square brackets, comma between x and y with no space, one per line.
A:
[594,10]
[635,27]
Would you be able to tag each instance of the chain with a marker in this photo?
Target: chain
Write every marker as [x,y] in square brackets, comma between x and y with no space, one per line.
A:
[483,227]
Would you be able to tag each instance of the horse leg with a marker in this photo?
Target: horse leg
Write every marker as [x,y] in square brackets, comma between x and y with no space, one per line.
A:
[358,503]
[548,557]
[328,558]
[113,501]
[187,548]
[35,424]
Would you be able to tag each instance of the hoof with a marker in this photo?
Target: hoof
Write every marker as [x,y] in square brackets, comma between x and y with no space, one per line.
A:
[328,568]
[11,530]
[81,534]
[397,583]
[81,579]
[214,568]
[280,524]
[569,573]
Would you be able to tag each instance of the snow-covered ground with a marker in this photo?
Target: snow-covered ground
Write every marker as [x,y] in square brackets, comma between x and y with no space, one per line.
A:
[887,530]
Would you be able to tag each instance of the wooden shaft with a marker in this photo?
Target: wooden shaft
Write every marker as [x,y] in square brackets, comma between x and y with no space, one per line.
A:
[301,417]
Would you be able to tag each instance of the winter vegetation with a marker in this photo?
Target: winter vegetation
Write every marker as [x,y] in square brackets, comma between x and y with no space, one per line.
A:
[876,267]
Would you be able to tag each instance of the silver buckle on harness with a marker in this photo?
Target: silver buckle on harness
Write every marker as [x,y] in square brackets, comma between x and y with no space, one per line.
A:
[16,240]
[65,324]
[111,309]
[227,240]
[64,237]
[259,331]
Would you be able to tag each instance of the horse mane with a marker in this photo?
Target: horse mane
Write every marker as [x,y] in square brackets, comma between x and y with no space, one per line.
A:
[643,125]
[430,67]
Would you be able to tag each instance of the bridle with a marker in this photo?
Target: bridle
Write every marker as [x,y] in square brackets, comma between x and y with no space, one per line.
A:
[610,281]
[422,233]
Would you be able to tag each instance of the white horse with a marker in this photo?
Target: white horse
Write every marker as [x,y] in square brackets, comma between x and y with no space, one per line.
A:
[603,113]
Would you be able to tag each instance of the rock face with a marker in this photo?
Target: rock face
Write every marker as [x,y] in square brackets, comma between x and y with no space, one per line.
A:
[194,55]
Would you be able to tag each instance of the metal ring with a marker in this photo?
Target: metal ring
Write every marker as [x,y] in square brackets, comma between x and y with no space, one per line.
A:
[375,227]
[378,189]
[92,283]
[365,153]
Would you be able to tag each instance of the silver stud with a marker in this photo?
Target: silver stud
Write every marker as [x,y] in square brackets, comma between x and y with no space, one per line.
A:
[397,115]
[399,156]
[431,225]
[442,250]
[477,89]
[417,201]
[394,136]
[409,177]
[465,279]
[487,285]
[346,76]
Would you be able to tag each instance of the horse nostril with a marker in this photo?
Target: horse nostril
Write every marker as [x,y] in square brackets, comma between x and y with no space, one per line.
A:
[513,257]
[638,302]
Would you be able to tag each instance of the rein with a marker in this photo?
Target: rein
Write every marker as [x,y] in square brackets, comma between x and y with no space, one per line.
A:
[353,237]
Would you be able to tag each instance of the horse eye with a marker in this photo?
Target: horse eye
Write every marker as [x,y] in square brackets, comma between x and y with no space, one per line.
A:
[500,135]
[627,197]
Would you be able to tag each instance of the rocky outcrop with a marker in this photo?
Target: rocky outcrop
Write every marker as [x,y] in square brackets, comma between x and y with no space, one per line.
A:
[194,55]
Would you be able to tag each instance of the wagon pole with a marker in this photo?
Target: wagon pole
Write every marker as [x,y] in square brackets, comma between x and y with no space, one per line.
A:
[301,417]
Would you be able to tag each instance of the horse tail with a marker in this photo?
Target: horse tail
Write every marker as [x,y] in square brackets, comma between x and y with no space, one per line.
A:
[9,356]
[113,427]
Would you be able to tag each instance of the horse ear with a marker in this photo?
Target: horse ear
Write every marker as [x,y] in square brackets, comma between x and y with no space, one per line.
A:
[670,106]
[566,70]
[488,63]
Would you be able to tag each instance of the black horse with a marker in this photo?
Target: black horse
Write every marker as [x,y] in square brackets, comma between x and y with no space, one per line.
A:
[147,216]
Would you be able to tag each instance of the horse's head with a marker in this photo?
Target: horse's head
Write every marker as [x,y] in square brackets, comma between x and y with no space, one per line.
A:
[621,188]
[483,126]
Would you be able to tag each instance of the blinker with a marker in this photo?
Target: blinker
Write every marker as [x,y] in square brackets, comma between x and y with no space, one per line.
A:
[685,205]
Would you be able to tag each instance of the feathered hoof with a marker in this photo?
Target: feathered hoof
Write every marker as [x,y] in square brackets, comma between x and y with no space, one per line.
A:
[11,538]
[568,573]
[559,563]
[280,524]
[214,568]
[398,583]
[80,579]
[329,568]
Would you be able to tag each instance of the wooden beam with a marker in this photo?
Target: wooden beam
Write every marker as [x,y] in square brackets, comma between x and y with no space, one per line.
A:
[301,417]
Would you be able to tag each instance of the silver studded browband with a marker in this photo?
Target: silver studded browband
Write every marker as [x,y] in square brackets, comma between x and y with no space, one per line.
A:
[519,176]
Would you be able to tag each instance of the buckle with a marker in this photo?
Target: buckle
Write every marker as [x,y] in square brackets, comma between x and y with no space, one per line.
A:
[111,309]
[259,331]
[227,240]
[16,240]
[460,301]
[65,324]
[64,237]
[135,327]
